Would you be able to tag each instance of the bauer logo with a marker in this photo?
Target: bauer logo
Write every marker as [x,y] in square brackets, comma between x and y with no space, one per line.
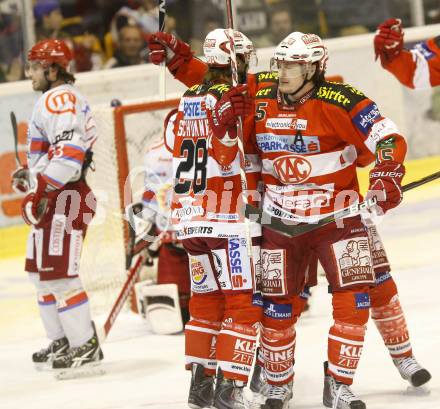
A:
[362,301]
[365,118]
[193,108]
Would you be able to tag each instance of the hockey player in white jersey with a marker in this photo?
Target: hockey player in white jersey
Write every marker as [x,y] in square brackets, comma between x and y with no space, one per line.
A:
[165,303]
[59,206]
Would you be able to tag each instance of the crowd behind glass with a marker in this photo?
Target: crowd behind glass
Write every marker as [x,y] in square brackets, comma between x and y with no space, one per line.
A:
[108,34]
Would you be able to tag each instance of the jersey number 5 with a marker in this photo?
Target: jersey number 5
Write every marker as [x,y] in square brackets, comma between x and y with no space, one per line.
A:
[196,158]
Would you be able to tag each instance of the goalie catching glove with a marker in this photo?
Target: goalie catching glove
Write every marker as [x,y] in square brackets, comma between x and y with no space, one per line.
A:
[386,184]
[168,48]
[388,41]
[233,105]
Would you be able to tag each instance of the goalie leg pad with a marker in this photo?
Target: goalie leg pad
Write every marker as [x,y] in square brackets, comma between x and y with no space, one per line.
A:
[160,305]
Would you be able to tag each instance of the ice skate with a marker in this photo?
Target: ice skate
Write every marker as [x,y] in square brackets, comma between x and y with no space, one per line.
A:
[278,397]
[79,361]
[43,359]
[201,391]
[259,387]
[338,395]
[229,394]
[411,371]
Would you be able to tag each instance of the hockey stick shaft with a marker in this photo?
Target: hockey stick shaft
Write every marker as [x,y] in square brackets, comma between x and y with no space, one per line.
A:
[163,70]
[240,142]
[123,295]
[15,133]
[291,230]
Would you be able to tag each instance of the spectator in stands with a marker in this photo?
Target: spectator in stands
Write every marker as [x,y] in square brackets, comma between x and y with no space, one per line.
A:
[87,50]
[11,44]
[48,20]
[129,48]
[280,26]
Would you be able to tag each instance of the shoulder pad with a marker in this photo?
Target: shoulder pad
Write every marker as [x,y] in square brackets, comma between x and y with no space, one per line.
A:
[343,95]
[266,76]
[269,92]
[196,90]
[219,89]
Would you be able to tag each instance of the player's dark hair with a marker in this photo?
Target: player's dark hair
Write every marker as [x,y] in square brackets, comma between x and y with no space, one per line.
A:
[318,76]
[64,75]
[218,74]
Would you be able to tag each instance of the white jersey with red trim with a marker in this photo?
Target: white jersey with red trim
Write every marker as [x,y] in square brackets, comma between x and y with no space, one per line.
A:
[158,164]
[60,132]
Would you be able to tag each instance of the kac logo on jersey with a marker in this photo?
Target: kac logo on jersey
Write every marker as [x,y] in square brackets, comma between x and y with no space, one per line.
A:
[292,169]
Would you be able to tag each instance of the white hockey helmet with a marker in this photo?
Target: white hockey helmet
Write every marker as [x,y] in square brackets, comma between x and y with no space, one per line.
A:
[302,48]
[216,47]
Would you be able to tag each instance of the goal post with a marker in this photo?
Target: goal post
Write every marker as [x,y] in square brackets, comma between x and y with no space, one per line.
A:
[124,134]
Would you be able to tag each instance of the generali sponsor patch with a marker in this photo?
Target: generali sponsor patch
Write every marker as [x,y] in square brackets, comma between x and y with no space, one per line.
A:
[353,259]
[273,272]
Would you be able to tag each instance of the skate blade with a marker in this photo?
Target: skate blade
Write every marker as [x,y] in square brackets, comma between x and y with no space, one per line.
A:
[88,370]
[417,391]
[43,366]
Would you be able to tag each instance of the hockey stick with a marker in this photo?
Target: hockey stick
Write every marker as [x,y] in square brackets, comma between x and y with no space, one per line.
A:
[290,230]
[162,83]
[15,133]
[123,295]
[240,143]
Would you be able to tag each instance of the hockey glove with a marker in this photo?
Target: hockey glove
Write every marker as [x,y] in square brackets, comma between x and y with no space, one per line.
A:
[20,180]
[166,47]
[388,41]
[234,104]
[386,184]
[35,205]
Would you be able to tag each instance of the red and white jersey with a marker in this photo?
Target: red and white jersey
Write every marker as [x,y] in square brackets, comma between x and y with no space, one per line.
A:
[207,196]
[310,150]
[60,132]
[419,67]
[158,164]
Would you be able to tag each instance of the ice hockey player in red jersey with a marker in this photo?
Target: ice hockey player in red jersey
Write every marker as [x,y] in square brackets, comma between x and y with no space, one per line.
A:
[59,205]
[418,67]
[309,132]
[206,211]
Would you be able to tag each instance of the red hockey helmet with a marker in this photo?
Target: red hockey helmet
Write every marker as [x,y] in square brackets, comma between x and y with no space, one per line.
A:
[49,52]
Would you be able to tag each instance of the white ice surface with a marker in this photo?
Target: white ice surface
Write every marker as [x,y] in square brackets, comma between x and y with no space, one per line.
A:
[146,371]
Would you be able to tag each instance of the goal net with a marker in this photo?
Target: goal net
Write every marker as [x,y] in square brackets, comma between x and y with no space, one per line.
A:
[124,133]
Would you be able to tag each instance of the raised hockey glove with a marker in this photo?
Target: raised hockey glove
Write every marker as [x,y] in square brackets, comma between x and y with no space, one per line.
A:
[234,104]
[20,180]
[386,184]
[167,47]
[35,205]
[388,41]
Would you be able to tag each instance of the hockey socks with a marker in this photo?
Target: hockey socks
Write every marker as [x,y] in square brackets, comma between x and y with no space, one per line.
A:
[345,342]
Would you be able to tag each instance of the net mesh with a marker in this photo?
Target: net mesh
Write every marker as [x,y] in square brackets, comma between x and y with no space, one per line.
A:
[103,259]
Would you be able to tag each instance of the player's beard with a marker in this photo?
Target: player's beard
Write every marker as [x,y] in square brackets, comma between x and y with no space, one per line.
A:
[40,84]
